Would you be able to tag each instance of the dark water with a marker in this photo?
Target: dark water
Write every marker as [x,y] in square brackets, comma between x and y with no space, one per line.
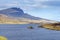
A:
[21,32]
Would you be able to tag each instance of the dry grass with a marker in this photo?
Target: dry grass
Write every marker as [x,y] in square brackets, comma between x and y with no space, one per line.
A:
[52,26]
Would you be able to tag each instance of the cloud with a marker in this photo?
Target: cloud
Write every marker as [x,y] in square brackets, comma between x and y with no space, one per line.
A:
[10,4]
[52,3]
[31,4]
[37,4]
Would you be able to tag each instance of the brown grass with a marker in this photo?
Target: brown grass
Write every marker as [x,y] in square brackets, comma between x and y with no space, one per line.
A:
[52,26]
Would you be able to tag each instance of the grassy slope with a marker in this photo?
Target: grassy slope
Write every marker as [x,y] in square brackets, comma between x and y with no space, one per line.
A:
[7,20]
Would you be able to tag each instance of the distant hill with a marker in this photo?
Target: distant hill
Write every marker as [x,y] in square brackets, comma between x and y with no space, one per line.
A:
[17,12]
[17,16]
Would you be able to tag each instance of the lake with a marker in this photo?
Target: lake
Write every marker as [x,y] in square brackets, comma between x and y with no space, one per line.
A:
[21,32]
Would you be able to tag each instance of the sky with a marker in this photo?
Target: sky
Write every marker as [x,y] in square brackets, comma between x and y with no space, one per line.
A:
[48,9]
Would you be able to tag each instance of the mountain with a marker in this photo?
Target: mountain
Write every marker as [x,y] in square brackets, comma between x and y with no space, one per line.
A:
[17,12]
[17,16]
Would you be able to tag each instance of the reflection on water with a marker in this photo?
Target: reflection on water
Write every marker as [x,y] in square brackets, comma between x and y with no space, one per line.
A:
[21,32]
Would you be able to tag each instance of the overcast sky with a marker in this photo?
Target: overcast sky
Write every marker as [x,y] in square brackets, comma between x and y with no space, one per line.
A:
[49,9]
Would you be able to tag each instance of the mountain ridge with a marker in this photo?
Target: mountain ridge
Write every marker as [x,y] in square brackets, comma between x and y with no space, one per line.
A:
[17,12]
[17,16]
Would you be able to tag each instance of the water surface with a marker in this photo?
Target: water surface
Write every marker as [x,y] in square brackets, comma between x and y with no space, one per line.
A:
[21,32]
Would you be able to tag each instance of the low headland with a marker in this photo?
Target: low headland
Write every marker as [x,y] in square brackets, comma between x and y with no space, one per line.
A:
[52,26]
